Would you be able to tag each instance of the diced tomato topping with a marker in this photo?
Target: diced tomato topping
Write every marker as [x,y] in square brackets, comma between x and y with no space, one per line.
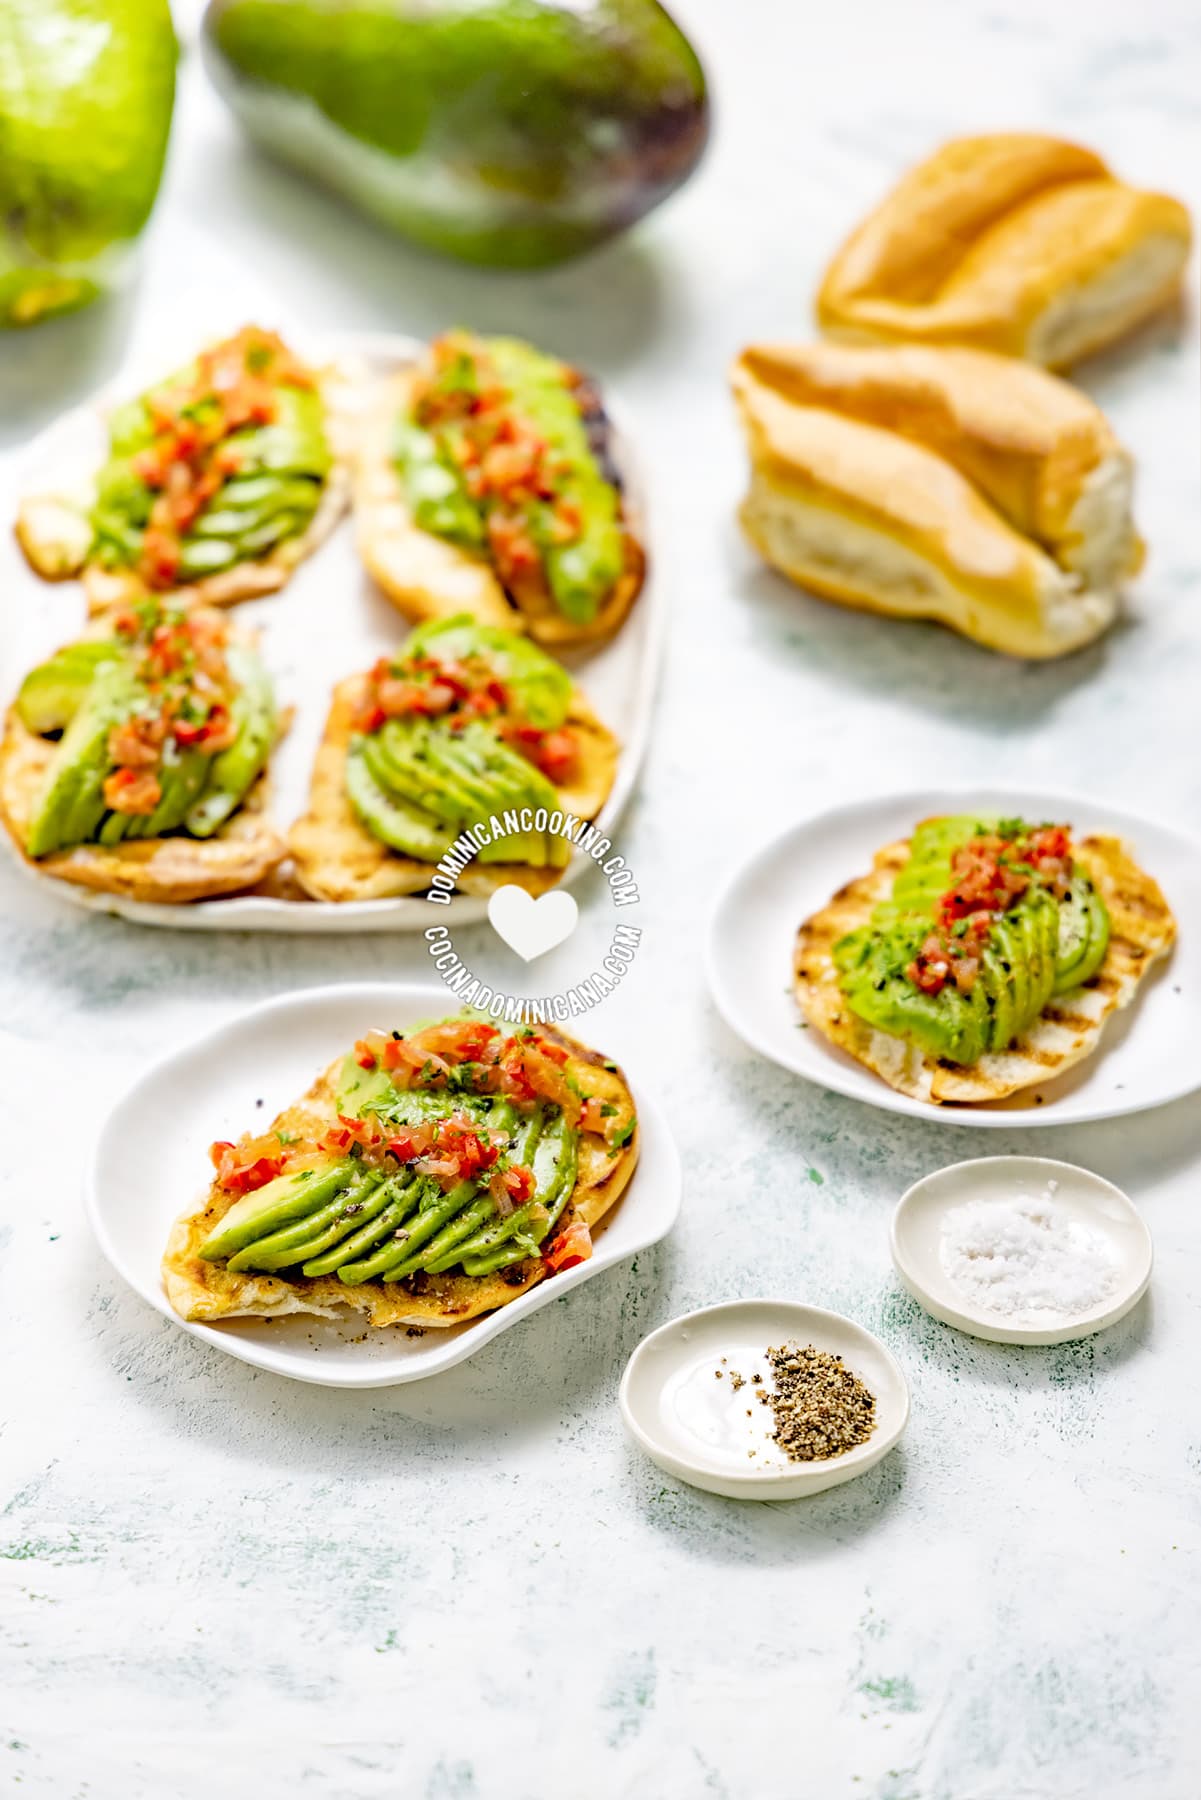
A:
[556,754]
[137,744]
[987,881]
[571,1246]
[234,385]
[364,1055]
[135,791]
[519,1181]
[513,549]
[241,1168]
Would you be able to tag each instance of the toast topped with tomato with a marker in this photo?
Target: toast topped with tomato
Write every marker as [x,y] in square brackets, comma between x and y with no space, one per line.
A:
[425,1178]
[981,956]
[487,485]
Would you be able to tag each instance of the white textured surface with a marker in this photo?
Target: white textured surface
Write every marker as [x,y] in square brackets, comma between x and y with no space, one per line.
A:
[474,1589]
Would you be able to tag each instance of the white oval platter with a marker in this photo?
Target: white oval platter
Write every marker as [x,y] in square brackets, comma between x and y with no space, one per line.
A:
[329,621]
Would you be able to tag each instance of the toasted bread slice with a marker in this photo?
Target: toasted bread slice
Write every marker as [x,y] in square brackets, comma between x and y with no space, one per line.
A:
[207,1292]
[428,577]
[337,858]
[54,532]
[167,870]
[1009,241]
[1068,1029]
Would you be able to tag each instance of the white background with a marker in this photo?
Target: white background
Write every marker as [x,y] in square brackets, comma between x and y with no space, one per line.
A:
[216,1582]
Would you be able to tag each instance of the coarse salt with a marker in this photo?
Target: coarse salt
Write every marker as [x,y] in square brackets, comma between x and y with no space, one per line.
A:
[1026,1255]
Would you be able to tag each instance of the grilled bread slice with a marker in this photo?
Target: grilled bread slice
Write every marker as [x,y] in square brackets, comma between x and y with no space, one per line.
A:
[428,577]
[1014,242]
[1069,1028]
[55,532]
[940,484]
[337,858]
[205,1291]
[167,871]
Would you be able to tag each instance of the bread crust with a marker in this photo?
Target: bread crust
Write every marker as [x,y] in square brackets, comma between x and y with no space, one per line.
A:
[940,484]
[1068,1029]
[206,1292]
[337,858]
[1014,242]
[56,540]
[1036,448]
[428,577]
[167,871]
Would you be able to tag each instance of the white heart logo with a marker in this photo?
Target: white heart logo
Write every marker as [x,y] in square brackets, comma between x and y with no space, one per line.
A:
[529,926]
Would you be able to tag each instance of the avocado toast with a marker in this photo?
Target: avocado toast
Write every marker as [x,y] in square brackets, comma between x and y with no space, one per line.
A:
[486,485]
[423,1179]
[466,722]
[219,481]
[133,760]
[981,956]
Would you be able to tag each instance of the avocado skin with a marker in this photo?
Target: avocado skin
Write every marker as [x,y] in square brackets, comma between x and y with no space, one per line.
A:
[505,132]
[86,93]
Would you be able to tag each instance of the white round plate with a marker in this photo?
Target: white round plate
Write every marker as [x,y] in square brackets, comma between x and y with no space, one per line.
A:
[1093,1203]
[694,1424]
[1148,1055]
[247,1071]
[329,621]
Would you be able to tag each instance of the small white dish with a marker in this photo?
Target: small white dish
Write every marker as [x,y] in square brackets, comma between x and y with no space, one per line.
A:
[1148,1055]
[694,1424]
[1095,1204]
[247,1071]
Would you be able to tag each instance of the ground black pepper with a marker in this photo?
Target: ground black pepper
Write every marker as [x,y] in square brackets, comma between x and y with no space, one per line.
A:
[821,1408]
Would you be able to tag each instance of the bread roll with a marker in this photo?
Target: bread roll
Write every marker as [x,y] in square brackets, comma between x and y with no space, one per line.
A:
[1012,242]
[939,484]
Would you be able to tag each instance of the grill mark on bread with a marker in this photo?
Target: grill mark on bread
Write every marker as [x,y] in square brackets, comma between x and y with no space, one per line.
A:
[1061,1036]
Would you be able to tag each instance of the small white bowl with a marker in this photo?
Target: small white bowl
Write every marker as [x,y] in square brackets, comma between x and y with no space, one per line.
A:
[1104,1209]
[694,1424]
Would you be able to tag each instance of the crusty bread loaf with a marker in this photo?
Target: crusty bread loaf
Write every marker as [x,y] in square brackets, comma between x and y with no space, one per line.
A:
[946,484]
[1014,242]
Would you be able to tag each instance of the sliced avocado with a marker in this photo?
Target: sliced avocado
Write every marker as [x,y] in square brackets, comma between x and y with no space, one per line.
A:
[70,804]
[296,1243]
[377,1242]
[410,1256]
[51,694]
[541,687]
[1083,934]
[234,770]
[276,1203]
[998,986]
[396,822]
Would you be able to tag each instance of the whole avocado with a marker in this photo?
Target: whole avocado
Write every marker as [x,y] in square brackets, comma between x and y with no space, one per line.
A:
[86,92]
[507,132]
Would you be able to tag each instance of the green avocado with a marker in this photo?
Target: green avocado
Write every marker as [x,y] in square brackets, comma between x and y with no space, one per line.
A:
[51,694]
[1038,947]
[281,476]
[416,783]
[70,803]
[88,688]
[86,92]
[278,1202]
[539,390]
[513,133]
